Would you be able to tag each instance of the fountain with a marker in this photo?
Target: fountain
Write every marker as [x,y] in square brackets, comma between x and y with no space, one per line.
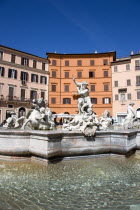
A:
[106,181]
[84,135]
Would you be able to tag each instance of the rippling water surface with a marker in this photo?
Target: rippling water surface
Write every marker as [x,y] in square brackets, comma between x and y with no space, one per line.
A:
[99,183]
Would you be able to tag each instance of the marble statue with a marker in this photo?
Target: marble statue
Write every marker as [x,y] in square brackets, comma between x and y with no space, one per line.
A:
[84,102]
[105,120]
[40,118]
[85,121]
[131,117]
[14,121]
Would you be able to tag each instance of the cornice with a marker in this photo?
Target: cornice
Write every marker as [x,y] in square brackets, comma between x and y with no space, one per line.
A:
[21,53]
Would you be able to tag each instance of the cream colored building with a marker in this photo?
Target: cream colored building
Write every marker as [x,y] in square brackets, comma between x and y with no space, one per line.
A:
[23,76]
[125,85]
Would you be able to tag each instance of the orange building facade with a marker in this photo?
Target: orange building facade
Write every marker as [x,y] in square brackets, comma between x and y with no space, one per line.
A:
[94,68]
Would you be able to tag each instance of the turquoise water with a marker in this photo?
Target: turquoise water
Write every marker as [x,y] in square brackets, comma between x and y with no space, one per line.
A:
[100,183]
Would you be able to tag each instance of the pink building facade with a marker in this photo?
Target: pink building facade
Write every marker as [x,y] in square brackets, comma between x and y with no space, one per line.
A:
[125,85]
[23,77]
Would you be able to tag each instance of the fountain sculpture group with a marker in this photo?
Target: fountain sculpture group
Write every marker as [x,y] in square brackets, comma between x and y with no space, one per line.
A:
[31,137]
[86,121]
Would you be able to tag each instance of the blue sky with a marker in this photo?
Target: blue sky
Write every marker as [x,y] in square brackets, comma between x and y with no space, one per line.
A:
[71,26]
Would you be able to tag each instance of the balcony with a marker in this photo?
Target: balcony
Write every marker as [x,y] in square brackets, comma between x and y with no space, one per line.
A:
[137,67]
[23,82]
[137,83]
[15,100]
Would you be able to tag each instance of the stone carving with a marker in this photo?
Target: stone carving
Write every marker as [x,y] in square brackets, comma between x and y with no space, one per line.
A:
[131,117]
[84,102]
[85,121]
[105,120]
[14,121]
[40,118]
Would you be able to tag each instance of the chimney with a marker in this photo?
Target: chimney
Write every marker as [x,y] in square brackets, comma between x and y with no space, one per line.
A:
[54,51]
[95,51]
[132,52]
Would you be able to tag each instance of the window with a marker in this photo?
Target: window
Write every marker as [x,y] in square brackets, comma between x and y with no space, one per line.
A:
[137,64]
[91,74]
[127,66]
[13,58]
[115,68]
[34,64]
[24,77]
[66,88]
[129,96]
[106,88]
[43,95]
[11,93]
[106,100]
[122,97]
[116,83]
[105,73]
[33,94]
[66,63]
[54,74]
[43,66]
[1,71]
[128,82]
[34,78]
[94,100]
[66,74]
[53,88]
[79,74]
[116,97]
[137,80]
[105,62]
[1,55]
[22,94]
[138,94]
[66,101]
[53,62]
[43,80]
[24,61]
[79,63]
[92,88]
[53,100]
[91,62]
[12,73]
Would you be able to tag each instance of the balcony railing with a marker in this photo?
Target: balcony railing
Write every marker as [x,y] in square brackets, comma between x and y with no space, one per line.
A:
[137,83]
[14,99]
[137,67]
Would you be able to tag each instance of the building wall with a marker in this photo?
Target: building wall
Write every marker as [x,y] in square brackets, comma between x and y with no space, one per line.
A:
[122,75]
[60,81]
[5,82]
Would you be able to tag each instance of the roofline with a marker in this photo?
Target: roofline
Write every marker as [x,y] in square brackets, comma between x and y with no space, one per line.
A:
[120,61]
[62,54]
[23,52]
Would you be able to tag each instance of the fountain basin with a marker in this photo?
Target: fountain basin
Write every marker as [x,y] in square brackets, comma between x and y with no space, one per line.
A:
[54,144]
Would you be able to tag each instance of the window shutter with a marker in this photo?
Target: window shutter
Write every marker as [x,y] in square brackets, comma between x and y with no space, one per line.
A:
[103,100]
[40,79]
[9,73]
[26,76]
[109,100]
[3,70]
[21,76]
[15,76]
[45,80]
[36,78]
[32,77]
